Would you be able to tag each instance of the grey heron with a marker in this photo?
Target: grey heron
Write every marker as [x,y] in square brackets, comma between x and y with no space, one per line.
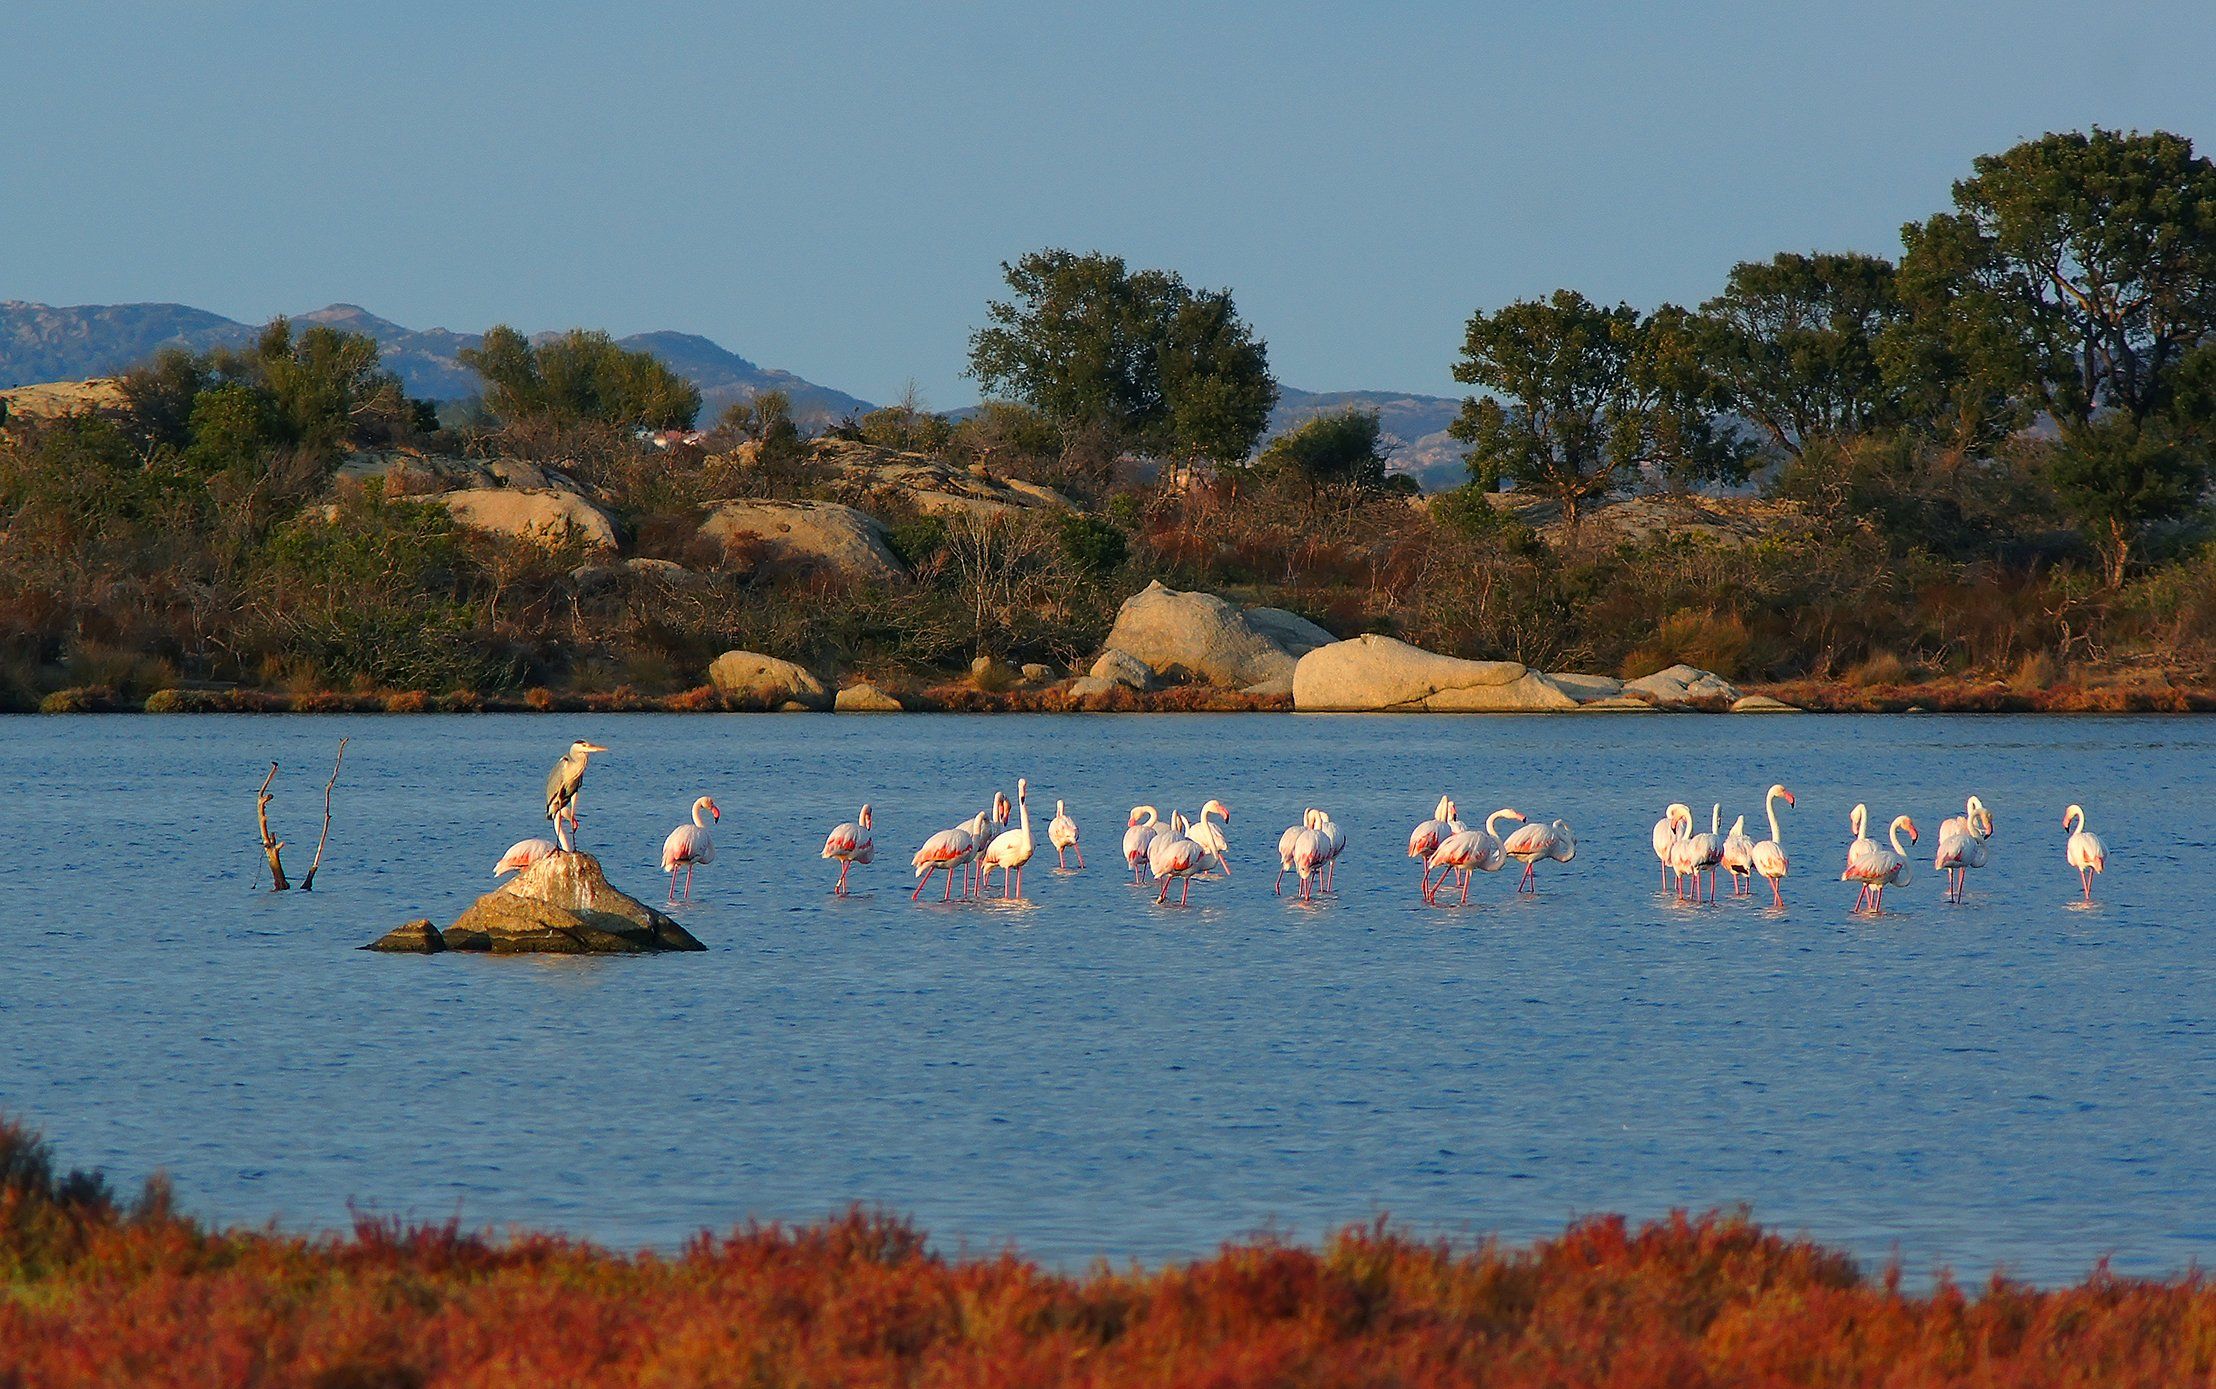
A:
[564,782]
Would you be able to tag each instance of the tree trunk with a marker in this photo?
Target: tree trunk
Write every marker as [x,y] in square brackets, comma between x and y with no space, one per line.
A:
[273,848]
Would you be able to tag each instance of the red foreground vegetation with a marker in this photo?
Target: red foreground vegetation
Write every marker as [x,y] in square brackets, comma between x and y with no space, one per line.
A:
[93,1291]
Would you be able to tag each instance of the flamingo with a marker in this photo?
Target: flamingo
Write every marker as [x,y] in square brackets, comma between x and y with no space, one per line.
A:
[1285,843]
[1335,844]
[948,850]
[1738,858]
[1171,855]
[1685,855]
[851,843]
[689,846]
[1425,838]
[1467,849]
[1666,835]
[1010,850]
[1708,851]
[1534,842]
[1061,832]
[1305,850]
[525,852]
[1769,855]
[1874,865]
[2085,851]
[1144,824]
[1211,836]
[1962,847]
[982,834]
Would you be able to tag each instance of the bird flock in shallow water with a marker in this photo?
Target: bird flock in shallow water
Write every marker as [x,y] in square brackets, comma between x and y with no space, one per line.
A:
[1450,853]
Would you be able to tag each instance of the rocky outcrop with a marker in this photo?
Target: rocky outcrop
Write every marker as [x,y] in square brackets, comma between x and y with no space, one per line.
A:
[1375,672]
[417,937]
[1198,637]
[537,515]
[809,535]
[865,698]
[421,474]
[600,578]
[1684,687]
[1762,704]
[563,905]
[755,681]
[1122,668]
[1588,689]
[932,485]
[53,399]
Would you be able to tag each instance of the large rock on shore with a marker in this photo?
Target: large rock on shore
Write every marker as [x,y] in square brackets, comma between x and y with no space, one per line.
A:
[1684,687]
[561,905]
[765,682]
[1378,673]
[538,515]
[865,698]
[1199,637]
[818,535]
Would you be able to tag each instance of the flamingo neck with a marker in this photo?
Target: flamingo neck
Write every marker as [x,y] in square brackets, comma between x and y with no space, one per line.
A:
[700,812]
[1769,807]
[1893,833]
[1492,822]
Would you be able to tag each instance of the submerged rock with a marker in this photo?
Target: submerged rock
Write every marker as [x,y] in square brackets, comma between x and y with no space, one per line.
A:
[563,905]
[418,937]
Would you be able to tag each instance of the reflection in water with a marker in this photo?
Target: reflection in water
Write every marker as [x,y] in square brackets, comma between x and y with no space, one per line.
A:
[2020,1079]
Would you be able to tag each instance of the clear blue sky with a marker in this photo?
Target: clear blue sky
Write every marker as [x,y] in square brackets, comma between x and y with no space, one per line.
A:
[829,188]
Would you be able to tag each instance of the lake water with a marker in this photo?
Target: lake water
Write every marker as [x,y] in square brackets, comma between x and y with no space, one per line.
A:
[2018,1081]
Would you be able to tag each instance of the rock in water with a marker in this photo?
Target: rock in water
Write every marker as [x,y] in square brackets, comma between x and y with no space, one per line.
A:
[418,937]
[561,905]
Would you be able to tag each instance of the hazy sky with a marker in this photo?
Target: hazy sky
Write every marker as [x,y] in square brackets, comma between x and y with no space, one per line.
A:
[830,187]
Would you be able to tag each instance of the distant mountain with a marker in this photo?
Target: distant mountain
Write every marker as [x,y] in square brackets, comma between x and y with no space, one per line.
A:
[1415,427]
[39,342]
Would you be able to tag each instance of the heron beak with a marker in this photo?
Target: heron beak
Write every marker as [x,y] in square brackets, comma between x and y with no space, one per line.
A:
[594,747]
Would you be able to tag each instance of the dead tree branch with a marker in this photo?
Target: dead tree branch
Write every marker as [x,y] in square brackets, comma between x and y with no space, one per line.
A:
[307,884]
[272,846]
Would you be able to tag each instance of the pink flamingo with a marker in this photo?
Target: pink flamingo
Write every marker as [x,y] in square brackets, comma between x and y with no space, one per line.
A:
[1424,840]
[851,843]
[690,846]
[525,852]
[1171,855]
[1144,824]
[1468,849]
[2084,850]
[1010,851]
[1769,855]
[1061,832]
[1872,864]
[1534,842]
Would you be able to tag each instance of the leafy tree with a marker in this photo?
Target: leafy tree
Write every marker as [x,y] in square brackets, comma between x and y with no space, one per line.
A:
[2086,262]
[1095,345]
[2117,476]
[905,424]
[1341,449]
[1092,543]
[232,425]
[316,391]
[1583,397]
[1792,345]
[579,377]
[766,419]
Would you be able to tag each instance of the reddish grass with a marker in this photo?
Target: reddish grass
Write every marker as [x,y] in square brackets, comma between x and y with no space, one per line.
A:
[94,1294]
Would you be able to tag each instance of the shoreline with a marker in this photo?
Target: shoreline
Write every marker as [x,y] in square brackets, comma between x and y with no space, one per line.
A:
[1805,696]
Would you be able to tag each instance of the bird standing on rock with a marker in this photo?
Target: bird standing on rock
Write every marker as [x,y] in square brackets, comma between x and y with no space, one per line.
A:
[563,784]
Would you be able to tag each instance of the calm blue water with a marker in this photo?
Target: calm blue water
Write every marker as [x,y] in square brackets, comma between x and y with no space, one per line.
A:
[2017,1081]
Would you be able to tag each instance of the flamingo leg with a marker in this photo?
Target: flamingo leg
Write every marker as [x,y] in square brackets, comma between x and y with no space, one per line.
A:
[1059,861]
[840,889]
[1465,887]
[1080,854]
[1185,898]
[1164,895]
[688,882]
[1277,889]
[1776,898]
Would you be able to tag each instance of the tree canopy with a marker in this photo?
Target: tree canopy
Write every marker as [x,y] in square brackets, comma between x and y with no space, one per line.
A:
[1582,396]
[1094,345]
[579,377]
[1793,345]
[1344,448]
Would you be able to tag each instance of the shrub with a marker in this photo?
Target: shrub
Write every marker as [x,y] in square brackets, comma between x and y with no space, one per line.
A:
[79,699]
[1095,546]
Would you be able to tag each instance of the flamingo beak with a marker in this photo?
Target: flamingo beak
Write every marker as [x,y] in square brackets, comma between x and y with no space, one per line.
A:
[1790,801]
[715,812]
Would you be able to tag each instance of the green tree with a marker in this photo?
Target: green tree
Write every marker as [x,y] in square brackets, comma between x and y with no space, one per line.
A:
[766,419]
[2086,263]
[1097,346]
[579,377]
[1792,345]
[2117,476]
[1341,449]
[1584,396]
